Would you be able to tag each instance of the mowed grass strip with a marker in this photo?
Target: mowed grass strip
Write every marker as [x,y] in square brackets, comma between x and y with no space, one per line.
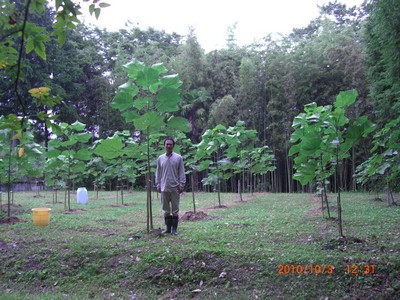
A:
[269,246]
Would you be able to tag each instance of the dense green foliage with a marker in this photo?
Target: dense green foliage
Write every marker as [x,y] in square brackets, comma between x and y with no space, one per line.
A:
[382,38]
[264,84]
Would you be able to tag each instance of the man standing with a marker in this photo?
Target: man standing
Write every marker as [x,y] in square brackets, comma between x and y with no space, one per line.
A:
[170,180]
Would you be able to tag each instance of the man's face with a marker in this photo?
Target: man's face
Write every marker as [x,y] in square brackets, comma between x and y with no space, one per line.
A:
[169,146]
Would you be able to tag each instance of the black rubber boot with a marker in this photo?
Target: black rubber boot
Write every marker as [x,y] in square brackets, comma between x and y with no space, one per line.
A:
[168,222]
[175,221]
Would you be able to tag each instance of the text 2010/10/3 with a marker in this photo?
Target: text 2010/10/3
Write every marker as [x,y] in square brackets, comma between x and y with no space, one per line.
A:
[305,269]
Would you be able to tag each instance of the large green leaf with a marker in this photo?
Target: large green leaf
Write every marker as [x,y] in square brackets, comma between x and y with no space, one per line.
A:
[130,115]
[67,154]
[124,97]
[310,107]
[359,129]
[338,118]
[232,150]
[144,102]
[160,68]
[301,159]
[294,149]
[354,133]
[205,164]
[83,137]
[52,153]
[219,127]
[168,99]
[299,121]
[133,68]
[78,168]
[132,151]
[345,98]
[147,78]
[150,120]
[314,118]
[129,87]
[55,143]
[171,81]
[78,126]
[179,123]
[109,148]
[306,172]
[296,135]
[310,144]
[68,143]
[83,154]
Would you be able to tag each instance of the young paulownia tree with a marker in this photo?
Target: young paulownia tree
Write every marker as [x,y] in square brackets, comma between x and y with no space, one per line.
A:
[148,100]
[323,137]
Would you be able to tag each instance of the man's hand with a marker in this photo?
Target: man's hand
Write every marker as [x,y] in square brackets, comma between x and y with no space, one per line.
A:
[181,189]
[158,189]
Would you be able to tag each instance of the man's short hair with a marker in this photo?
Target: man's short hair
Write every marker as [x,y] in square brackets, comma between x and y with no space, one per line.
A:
[169,138]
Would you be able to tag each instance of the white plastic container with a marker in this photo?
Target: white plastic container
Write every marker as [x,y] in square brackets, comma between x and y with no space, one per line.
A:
[82,196]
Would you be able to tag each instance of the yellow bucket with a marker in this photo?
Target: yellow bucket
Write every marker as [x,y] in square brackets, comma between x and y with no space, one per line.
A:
[41,216]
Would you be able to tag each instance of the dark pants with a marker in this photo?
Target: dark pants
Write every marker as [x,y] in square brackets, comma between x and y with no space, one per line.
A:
[170,203]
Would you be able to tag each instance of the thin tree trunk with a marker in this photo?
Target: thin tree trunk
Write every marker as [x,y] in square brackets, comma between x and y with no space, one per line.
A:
[243,176]
[288,168]
[69,199]
[117,187]
[193,195]
[272,180]
[147,204]
[240,191]
[251,182]
[148,185]
[9,183]
[339,204]
[326,201]
[65,198]
[390,195]
[353,168]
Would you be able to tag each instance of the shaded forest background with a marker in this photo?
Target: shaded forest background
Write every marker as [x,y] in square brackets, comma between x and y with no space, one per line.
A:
[264,84]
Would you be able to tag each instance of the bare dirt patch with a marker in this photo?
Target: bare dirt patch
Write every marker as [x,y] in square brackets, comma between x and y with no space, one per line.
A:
[121,205]
[15,208]
[191,216]
[75,211]
[11,221]
[377,199]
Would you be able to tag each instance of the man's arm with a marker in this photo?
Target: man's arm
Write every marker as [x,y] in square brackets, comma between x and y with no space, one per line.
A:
[182,176]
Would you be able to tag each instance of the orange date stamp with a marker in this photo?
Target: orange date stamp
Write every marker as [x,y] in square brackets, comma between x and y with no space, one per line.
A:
[305,269]
[366,269]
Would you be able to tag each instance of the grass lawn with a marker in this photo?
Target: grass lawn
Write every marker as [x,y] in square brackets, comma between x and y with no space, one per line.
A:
[272,246]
